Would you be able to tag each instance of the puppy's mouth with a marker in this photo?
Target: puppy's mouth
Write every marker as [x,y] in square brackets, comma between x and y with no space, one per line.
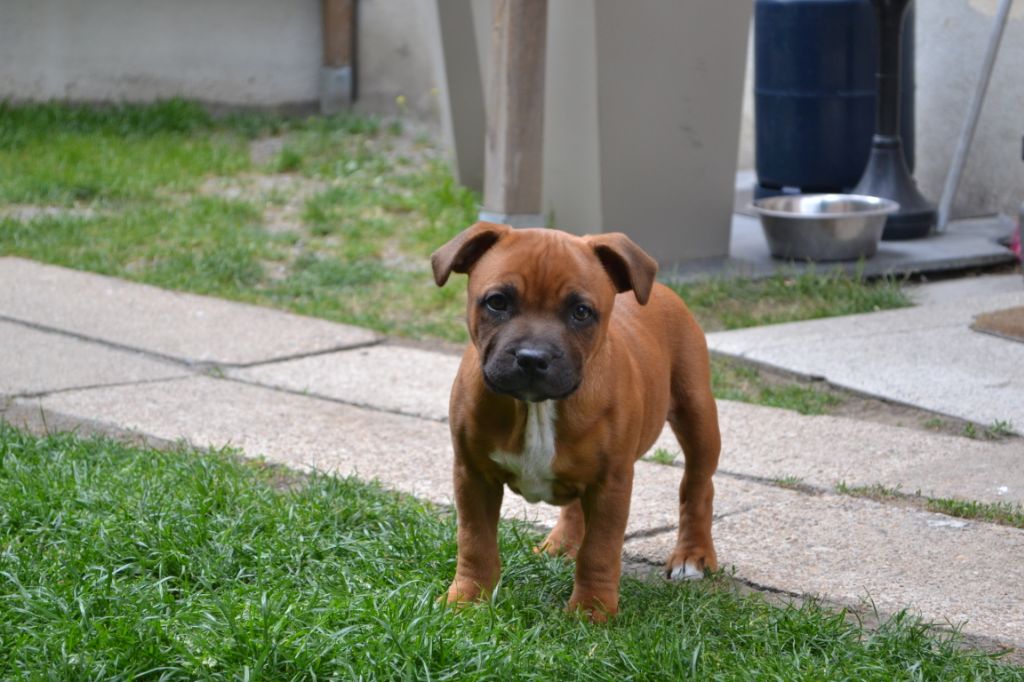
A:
[529,391]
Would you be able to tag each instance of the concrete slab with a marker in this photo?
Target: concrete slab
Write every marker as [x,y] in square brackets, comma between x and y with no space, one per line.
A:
[979,286]
[404,453]
[406,380]
[925,356]
[822,451]
[34,362]
[839,547]
[967,244]
[849,550]
[186,327]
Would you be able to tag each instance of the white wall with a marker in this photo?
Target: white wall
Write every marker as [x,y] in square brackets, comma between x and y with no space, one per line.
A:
[951,40]
[235,52]
[243,52]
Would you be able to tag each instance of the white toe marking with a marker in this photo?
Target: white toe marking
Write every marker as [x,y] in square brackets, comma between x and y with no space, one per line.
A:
[688,571]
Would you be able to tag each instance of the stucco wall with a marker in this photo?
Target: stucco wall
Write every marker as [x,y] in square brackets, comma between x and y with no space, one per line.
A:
[235,52]
[243,52]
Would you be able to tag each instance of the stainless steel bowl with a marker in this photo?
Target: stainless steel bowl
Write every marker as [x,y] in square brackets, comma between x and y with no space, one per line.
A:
[823,227]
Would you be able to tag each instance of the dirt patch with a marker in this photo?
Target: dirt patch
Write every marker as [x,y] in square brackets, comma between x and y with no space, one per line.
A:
[1006,324]
[265,149]
[26,212]
[282,196]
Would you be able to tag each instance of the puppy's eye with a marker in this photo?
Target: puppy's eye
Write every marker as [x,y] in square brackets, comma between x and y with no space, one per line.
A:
[582,313]
[497,302]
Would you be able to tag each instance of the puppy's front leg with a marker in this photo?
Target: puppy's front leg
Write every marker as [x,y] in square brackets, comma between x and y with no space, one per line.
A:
[478,503]
[599,560]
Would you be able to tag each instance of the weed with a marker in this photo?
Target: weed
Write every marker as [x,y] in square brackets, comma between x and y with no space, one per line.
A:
[876,491]
[1003,513]
[662,456]
[791,482]
[1000,428]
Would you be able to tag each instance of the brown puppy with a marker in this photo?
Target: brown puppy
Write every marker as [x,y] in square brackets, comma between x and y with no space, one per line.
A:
[567,381]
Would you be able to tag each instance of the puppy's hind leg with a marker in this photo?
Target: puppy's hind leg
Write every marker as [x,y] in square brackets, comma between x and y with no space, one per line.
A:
[567,535]
[694,420]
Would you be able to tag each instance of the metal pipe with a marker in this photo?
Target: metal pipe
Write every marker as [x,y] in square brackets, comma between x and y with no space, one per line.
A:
[963,145]
[337,74]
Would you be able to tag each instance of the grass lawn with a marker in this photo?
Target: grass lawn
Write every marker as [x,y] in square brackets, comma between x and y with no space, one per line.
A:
[124,563]
[327,217]
[322,216]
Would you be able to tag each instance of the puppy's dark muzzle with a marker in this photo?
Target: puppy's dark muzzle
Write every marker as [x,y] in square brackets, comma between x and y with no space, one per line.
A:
[530,373]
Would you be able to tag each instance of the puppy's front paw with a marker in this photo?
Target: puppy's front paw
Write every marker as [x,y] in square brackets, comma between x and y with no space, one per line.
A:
[690,563]
[462,592]
[595,608]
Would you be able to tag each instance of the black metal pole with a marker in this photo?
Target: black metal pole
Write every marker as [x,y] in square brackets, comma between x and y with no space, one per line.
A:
[887,174]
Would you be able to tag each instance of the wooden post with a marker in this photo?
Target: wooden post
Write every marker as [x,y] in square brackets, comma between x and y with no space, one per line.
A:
[337,79]
[515,116]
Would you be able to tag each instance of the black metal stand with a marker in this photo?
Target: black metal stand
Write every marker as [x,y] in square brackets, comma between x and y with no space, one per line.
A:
[886,174]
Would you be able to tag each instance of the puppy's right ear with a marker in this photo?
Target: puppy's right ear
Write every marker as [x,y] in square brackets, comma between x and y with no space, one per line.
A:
[465,249]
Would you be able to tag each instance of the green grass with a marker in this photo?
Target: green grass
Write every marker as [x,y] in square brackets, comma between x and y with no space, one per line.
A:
[374,207]
[663,456]
[1003,513]
[364,237]
[997,430]
[120,563]
[732,380]
[736,303]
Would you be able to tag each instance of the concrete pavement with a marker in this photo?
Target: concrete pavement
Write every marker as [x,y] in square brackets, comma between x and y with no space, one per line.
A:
[81,350]
[927,356]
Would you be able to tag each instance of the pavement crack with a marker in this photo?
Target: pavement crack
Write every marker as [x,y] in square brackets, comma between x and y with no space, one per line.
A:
[182,362]
[300,356]
[331,399]
[38,395]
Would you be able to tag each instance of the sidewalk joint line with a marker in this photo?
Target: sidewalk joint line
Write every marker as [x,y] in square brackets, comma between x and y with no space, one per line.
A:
[330,399]
[343,348]
[198,366]
[93,387]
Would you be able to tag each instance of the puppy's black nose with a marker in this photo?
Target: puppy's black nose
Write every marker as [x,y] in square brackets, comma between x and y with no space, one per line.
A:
[533,360]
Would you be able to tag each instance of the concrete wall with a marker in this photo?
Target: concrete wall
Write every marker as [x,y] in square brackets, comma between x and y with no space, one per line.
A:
[951,39]
[396,59]
[235,52]
[243,52]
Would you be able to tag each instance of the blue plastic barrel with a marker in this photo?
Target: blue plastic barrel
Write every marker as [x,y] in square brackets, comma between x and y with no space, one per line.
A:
[814,87]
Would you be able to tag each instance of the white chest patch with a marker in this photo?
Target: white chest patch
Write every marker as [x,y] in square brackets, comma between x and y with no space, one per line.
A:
[532,466]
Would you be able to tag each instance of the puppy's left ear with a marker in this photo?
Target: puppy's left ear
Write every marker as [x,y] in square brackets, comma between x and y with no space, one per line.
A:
[465,249]
[629,266]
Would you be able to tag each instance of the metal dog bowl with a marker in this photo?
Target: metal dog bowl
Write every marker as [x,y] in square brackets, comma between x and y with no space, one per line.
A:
[823,227]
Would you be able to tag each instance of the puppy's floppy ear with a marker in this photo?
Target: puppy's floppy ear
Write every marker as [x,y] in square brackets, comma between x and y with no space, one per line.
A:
[465,249]
[629,266]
